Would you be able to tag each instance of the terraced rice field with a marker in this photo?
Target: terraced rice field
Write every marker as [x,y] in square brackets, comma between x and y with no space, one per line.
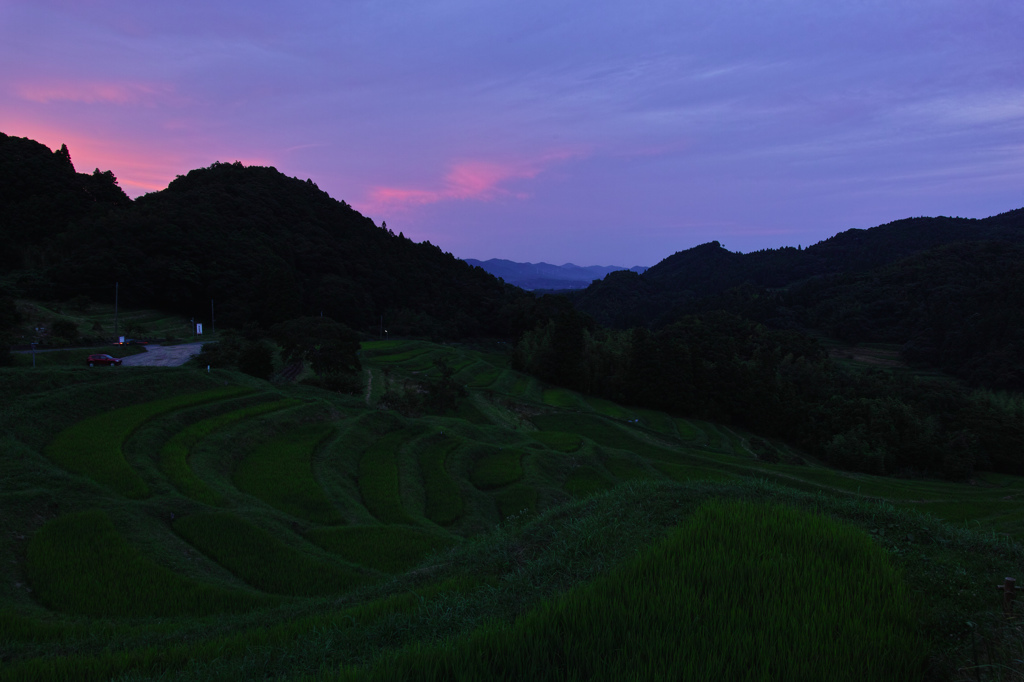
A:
[280,472]
[259,558]
[444,504]
[379,480]
[92,447]
[175,452]
[80,564]
[256,531]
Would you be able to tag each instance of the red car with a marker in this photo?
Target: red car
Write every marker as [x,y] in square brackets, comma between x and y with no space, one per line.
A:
[103,359]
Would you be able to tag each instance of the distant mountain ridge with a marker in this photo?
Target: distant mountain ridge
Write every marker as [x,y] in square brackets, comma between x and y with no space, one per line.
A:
[533,276]
[672,286]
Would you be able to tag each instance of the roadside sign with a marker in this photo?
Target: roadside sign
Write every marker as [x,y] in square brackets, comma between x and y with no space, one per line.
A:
[199,327]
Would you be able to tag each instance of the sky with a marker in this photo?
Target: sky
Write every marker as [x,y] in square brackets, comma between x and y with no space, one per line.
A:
[597,132]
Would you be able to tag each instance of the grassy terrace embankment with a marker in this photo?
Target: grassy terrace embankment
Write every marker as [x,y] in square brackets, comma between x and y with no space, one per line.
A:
[174,524]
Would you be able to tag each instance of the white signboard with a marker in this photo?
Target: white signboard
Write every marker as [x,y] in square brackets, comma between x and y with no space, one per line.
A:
[199,327]
[120,339]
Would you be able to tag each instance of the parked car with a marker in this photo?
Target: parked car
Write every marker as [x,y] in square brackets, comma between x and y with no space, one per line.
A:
[103,359]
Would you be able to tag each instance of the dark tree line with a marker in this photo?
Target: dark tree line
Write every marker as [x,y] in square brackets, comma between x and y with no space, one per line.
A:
[722,367]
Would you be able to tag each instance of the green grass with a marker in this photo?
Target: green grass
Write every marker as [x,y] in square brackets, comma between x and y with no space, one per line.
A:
[604,432]
[585,481]
[280,472]
[499,573]
[229,655]
[259,558]
[175,452]
[390,549]
[397,358]
[92,447]
[521,386]
[378,479]
[79,563]
[687,431]
[608,408]
[560,397]
[625,469]
[484,378]
[493,468]
[516,500]
[559,440]
[683,473]
[444,504]
[739,591]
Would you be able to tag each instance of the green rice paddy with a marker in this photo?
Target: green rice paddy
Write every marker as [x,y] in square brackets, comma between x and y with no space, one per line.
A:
[559,440]
[175,452]
[585,481]
[444,503]
[259,558]
[378,480]
[494,468]
[280,472]
[79,563]
[390,549]
[739,591]
[92,447]
[550,536]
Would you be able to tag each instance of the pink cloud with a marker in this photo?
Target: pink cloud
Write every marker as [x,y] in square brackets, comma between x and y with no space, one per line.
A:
[93,93]
[469,181]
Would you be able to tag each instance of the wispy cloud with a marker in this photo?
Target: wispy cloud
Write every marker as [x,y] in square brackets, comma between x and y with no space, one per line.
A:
[471,180]
[95,92]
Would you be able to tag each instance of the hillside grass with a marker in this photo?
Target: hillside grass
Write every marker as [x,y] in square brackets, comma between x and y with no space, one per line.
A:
[390,549]
[259,558]
[738,591]
[79,563]
[379,480]
[591,495]
[494,468]
[444,503]
[92,447]
[175,452]
[280,472]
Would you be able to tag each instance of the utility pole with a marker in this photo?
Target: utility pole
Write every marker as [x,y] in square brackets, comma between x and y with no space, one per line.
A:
[116,337]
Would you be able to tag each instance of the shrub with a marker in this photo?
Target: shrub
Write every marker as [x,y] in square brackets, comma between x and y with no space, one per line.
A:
[64,329]
[256,359]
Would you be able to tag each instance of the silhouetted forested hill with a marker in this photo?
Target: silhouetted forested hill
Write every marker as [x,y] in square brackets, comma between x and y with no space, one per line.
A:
[40,194]
[263,246]
[668,289]
[958,308]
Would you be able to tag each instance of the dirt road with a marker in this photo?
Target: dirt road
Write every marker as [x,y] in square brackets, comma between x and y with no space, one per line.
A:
[164,356]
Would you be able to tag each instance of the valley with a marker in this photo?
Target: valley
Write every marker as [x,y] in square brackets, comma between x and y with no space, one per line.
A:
[176,524]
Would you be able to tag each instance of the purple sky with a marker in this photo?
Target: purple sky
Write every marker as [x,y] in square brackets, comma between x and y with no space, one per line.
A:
[593,132]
